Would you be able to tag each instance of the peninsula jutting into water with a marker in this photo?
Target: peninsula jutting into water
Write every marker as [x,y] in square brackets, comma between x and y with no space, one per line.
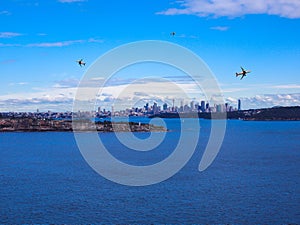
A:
[40,125]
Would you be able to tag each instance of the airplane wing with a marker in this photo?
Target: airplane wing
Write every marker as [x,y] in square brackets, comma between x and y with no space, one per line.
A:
[242,69]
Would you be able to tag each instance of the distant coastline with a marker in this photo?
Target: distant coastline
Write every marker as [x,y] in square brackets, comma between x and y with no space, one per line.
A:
[34,124]
[291,113]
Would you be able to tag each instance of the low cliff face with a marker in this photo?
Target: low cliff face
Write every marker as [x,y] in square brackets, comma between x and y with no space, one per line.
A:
[39,125]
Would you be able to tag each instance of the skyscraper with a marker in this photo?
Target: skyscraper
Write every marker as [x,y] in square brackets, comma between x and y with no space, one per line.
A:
[203,106]
[192,105]
[112,111]
[165,107]
[239,104]
[146,107]
[207,107]
[155,108]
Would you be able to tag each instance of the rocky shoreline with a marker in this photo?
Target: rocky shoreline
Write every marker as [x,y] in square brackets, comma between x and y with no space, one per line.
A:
[42,125]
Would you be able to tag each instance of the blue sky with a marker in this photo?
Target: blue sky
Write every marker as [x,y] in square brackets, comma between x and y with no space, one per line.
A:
[41,40]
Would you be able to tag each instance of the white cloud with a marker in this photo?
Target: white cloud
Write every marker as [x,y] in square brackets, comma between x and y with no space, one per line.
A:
[94,40]
[46,44]
[41,34]
[55,44]
[9,34]
[9,45]
[220,28]
[5,12]
[66,83]
[236,8]
[18,83]
[7,61]
[288,86]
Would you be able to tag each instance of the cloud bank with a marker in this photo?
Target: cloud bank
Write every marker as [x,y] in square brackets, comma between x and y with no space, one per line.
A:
[267,100]
[61,95]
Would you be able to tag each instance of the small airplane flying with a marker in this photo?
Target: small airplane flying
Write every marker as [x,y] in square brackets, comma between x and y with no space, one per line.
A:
[243,73]
[81,62]
[172,33]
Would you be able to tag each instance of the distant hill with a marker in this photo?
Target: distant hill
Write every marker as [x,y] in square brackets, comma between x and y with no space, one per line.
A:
[276,113]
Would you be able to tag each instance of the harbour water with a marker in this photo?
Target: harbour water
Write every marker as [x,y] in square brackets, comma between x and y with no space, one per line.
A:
[255,179]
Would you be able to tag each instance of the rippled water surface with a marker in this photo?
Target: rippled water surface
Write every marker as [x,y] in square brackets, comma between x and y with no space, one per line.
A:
[254,179]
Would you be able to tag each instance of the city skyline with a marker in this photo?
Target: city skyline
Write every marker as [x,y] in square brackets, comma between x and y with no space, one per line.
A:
[183,106]
[39,49]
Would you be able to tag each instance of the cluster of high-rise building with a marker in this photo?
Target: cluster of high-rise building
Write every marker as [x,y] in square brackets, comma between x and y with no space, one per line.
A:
[193,106]
[146,110]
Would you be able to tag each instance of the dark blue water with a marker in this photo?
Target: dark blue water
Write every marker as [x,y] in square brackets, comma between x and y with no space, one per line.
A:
[254,179]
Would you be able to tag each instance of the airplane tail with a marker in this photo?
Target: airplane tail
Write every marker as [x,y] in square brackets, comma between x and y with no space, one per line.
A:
[83,64]
[236,74]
